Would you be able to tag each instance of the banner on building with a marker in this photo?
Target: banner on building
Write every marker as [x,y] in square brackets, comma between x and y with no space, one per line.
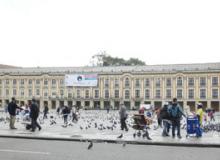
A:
[81,80]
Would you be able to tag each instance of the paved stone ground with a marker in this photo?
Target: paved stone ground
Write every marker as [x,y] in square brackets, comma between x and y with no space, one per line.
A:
[108,128]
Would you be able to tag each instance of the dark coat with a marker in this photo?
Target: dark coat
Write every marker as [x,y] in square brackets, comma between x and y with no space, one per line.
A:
[34,111]
[164,114]
[12,108]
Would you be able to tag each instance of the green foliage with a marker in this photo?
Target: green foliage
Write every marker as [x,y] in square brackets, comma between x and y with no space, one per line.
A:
[106,60]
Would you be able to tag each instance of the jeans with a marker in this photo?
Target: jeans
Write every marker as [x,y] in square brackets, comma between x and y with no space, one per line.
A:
[123,124]
[176,125]
[166,127]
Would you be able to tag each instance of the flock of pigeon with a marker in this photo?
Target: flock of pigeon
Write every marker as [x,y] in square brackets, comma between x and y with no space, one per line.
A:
[97,121]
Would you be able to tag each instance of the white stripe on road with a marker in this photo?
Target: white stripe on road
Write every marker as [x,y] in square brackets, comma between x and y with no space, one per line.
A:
[27,152]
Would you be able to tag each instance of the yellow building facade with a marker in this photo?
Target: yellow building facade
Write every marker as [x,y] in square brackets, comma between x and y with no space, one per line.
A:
[133,85]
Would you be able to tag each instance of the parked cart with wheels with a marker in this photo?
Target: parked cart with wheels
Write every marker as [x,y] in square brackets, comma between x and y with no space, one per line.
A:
[193,128]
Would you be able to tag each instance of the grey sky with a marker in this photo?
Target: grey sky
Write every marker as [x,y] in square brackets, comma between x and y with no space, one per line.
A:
[69,32]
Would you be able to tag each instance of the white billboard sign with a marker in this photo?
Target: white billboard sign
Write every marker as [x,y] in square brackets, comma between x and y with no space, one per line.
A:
[81,80]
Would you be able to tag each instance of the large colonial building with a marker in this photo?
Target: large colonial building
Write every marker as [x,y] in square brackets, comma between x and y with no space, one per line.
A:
[133,85]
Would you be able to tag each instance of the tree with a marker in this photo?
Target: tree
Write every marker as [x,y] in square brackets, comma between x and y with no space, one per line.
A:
[102,59]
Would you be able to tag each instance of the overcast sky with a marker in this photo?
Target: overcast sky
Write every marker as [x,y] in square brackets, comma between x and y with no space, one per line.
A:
[68,32]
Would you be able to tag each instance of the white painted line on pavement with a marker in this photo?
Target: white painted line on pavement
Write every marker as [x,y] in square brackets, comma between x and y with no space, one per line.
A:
[27,152]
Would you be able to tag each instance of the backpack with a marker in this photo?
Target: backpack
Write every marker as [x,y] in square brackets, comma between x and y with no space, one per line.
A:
[164,114]
[174,111]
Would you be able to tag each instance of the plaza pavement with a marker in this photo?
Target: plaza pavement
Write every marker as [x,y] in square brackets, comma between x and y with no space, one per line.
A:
[86,130]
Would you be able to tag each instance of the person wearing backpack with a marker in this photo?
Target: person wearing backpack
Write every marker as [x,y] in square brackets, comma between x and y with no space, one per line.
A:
[176,114]
[164,115]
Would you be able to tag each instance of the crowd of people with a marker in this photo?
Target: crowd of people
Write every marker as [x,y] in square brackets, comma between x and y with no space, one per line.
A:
[168,117]
[32,111]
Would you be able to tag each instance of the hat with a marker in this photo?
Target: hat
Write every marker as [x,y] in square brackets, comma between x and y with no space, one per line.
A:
[166,103]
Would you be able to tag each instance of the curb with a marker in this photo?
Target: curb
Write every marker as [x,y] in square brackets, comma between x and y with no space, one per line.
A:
[152,143]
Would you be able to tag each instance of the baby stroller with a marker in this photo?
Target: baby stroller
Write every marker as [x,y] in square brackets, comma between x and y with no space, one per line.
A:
[141,124]
[193,127]
[26,120]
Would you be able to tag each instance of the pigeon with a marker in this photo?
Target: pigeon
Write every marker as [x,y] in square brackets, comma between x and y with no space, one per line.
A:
[90,145]
[124,144]
[120,136]
[134,135]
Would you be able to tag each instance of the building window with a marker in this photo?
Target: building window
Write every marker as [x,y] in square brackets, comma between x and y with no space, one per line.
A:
[215,93]
[202,81]
[214,81]
[7,81]
[157,93]
[22,82]
[179,82]
[168,93]
[45,82]
[137,93]
[116,93]
[191,93]
[30,81]
[137,83]
[158,82]
[147,94]
[106,83]
[127,94]
[168,82]
[54,82]
[127,82]
[96,93]
[77,93]
[191,82]
[116,82]
[45,94]
[37,92]
[147,82]
[61,82]
[202,93]
[87,94]
[7,92]
[54,93]
[30,92]
[61,92]
[37,82]
[22,93]
[69,94]
[106,94]
[14,81]
[179,94]
[14,92]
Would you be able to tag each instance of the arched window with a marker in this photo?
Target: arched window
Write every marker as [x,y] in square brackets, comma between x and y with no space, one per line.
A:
[127,82]
[179,82]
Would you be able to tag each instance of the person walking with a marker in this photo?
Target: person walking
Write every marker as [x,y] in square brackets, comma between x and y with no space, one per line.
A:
[165,119]
[34,113]
[123,116]
[176,114]
[65,113]
[12,106]
[74,115]
[46,109]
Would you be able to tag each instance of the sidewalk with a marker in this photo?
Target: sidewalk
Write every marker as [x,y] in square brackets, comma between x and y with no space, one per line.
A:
[74,133]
